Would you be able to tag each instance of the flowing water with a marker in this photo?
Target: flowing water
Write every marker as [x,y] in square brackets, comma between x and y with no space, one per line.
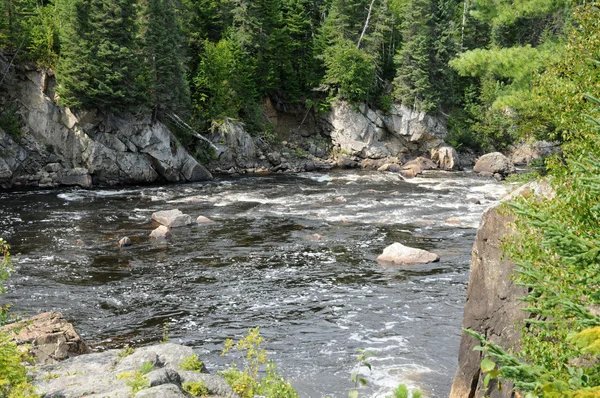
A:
[317,298]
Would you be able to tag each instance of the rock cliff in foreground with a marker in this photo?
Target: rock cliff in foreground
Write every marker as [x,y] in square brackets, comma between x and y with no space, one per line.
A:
[492,307]
[59,147]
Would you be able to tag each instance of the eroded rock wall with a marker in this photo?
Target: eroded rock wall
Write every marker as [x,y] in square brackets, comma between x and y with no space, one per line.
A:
[492,305]
[59,147]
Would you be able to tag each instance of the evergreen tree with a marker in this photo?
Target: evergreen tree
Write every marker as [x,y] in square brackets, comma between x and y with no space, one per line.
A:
[168,88]
[99,67]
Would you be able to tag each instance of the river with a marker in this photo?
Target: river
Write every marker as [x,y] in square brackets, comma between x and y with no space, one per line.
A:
[317,299]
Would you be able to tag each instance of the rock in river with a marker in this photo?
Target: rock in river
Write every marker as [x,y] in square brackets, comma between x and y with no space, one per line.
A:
[494,163]
[397,253]
[172,218]
[161,232]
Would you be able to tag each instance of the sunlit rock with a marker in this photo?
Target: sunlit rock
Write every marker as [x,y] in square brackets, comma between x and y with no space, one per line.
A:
[172,218]
[397,253]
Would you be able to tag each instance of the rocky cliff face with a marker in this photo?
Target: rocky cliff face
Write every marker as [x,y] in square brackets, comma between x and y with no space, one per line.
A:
[60,147]
[368,134]
[492,307]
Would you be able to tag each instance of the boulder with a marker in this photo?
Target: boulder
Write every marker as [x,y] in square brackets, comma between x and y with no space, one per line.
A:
[446,158]
[453,220]
[494,163]
[203,220]
[172,218]
[161,232]
[124,242]
[525,153]
[397,253]
[104,374]
[50,338]
[77,177]
[493,307]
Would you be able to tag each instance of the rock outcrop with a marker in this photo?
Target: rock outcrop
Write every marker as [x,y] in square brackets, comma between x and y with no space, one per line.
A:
[446,158]
[49,338]
[368,134]
[106,374]
[492,306]
[60,147]
[397,253]
[494,164]
[525,153]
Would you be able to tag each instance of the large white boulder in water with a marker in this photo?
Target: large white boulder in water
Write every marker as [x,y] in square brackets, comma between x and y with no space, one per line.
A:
[172,218]
[397,253]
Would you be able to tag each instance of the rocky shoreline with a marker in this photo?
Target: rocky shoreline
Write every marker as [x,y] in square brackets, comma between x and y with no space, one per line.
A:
[59,147]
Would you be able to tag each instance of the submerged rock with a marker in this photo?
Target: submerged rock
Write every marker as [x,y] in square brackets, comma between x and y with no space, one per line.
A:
[397,253]
[172,218]
[50,338]
[124,242]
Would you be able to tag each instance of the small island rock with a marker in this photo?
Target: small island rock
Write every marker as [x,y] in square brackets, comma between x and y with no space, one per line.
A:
[494,163]
[203,220]
[397,253]
[172,218]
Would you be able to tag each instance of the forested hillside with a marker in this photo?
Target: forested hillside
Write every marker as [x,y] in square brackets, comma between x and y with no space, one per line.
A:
[204,60]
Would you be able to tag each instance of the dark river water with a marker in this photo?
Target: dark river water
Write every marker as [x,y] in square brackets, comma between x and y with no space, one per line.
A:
[316,301]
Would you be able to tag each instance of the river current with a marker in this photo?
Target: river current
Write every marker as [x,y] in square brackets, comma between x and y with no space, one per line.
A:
[292,254]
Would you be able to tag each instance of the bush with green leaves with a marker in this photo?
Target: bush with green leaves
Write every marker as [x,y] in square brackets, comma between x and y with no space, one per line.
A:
[13,374]
[247,383]
[557,244]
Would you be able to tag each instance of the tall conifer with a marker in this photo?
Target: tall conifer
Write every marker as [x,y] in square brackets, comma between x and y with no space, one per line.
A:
[98,66]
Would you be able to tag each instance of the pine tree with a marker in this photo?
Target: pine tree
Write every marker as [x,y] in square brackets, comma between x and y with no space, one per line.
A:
[168,88]
[99,67]
[423,78]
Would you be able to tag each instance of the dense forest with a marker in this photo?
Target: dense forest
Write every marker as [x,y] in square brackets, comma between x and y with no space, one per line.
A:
[473,61]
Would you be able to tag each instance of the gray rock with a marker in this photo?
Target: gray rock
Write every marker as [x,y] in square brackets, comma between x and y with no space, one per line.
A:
[101,374]
[397,253]
[492,305]
[446,158]
[161,232]
[494,163]
[203,220]
[162,391]
[124,242]
[525,153]
[172,218]
[97,148]
[215,385]
[77,177]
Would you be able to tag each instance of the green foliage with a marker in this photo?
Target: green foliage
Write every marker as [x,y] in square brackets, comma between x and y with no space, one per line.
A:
[402,392]
[358,381]
[191,363]
[13,374]
[350,70]
[137,381]
[247,382]
[195,388]
[168,88]
[11,123]
[98,67]
[125,352]
[557,245]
